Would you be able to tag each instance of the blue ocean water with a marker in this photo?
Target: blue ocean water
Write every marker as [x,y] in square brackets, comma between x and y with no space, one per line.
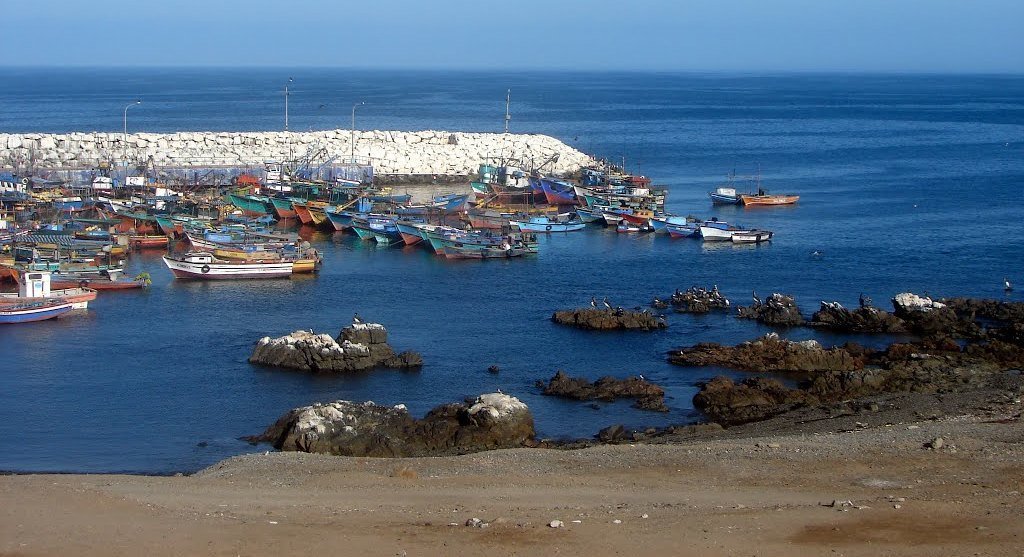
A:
[906,183]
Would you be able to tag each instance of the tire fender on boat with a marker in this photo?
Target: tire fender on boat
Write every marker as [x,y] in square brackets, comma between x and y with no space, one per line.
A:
[548,228]
[83,283]
[205,269]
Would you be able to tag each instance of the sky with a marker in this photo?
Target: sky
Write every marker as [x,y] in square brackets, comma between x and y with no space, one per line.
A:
[960,36]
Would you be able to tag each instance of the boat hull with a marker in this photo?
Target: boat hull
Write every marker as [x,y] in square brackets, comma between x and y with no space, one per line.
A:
[768,200]
[228,270]
[33,312]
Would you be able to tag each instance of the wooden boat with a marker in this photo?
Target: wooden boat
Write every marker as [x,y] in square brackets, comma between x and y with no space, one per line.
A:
[33,311]
[302,211]
[202,265]
[718,234]
[283,207]
[317,212]
[147,241]
[751,236]
[251,205]
[626,226]
[688,230]
[763,198]
[546,224]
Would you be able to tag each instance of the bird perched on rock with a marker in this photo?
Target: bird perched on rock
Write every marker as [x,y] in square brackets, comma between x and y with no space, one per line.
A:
[1007,286]
[357,319]
[606,304]
[757,301]
[593,302]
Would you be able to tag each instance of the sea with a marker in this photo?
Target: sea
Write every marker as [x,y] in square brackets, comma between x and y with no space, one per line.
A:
[906,183]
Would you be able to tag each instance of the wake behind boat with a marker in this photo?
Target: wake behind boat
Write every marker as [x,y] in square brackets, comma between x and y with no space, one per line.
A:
[201,265]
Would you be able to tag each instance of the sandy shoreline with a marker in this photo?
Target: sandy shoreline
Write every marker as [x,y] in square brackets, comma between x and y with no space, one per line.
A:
[751,490]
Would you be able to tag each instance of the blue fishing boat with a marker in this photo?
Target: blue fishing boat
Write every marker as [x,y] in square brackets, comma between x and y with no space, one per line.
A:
[546,224]
[558,192]
[35,311]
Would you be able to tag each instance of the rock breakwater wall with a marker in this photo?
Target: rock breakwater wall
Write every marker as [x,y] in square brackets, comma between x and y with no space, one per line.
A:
[430,152]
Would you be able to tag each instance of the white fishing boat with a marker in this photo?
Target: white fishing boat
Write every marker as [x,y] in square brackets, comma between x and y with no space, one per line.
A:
[716,234]
[201,265]
[34,287]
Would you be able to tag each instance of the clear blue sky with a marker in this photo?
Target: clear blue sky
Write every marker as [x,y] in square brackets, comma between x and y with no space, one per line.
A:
[727,35]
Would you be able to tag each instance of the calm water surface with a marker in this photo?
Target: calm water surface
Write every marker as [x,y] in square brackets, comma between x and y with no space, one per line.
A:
[906,183]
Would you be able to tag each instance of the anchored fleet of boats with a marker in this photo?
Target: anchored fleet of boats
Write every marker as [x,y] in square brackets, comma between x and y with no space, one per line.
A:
[63,244]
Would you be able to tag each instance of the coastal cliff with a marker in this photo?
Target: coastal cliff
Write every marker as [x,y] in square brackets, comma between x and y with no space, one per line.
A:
[441,153]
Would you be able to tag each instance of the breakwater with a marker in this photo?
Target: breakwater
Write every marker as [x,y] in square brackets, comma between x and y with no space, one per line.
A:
[440,153]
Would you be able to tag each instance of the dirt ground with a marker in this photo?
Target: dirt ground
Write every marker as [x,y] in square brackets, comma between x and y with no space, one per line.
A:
[848,487]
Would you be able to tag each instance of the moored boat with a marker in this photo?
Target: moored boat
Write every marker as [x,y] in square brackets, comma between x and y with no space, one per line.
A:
[751,236]
[763,198]
[35,287]
[33,311]
[202,265]
[724,196]
[546,224]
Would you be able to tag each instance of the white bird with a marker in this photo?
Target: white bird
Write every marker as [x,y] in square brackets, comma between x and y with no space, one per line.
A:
[606,304]
[356,319]
[1006,285]
[593,302]
[641,377]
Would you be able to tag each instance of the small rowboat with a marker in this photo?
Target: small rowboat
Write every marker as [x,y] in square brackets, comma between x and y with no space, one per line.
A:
[545,224]
[751,236]
[33,311]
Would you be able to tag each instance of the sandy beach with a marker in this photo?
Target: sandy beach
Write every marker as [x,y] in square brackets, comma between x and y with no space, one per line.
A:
[856,483]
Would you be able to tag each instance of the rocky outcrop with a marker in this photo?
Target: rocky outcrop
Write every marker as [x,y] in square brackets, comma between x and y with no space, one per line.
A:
[925,316]
[768,354]
[648,395]
[491,421]
[609,319]
[358,347]
[779,309]
[696,299]
[427,153]
[757,398]
[865,319]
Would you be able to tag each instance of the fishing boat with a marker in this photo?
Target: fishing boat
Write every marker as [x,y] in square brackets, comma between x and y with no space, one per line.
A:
[558,192]
[33,311]
[688,230]
[35,287]
[718,233]
[751,236]
[251,205]
[283,207]
[546,224]
[724,196]
[202,265]
[763,198]
[626,226]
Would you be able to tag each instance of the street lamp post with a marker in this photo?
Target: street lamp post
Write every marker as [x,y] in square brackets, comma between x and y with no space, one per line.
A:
[352,138]
[286,104]
[124,144]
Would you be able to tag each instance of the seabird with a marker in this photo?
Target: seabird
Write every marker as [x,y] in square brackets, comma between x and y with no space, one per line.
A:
[356,319]
[757,301]
[1006,285]
[593,302]
[816,253]
[606,304]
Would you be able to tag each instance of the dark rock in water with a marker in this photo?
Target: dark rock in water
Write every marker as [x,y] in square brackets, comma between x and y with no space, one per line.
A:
[609,319]
[972,309]
[493,369]
[778,309]
[753,399]
[698,299]
[768,354]
[865,319]
[359,347]
[648,395]
[491,421]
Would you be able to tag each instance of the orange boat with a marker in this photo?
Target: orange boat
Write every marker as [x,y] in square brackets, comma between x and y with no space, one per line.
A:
[764,198]
[148,241]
